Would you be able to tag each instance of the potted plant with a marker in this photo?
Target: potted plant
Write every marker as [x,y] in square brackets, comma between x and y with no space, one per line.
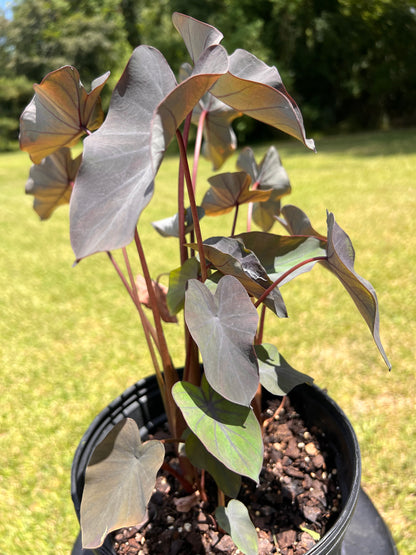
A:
[224,284]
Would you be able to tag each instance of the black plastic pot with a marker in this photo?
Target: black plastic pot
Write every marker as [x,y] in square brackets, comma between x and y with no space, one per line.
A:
[361,532]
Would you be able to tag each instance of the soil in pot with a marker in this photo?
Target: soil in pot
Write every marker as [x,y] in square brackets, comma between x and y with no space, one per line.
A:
[297,501]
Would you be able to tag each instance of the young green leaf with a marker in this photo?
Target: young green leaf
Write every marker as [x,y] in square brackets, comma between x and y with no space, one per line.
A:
[51,181]
[119,482]
[235,520]
[279,254]
[228,481]
[60,113]
[312,533]
[230,432]
[177,284]
[276,375]
[341,257]
[223,326]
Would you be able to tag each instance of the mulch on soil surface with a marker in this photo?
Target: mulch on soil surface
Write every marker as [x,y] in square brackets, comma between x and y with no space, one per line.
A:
[296,502]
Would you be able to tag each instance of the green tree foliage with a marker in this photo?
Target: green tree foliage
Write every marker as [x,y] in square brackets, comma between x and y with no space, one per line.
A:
[46,34]
[350,63]
[14,91]
[352,60]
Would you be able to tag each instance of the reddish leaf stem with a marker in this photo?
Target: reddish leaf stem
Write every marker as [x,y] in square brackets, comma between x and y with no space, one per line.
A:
[148,329]
[171,375]
[192,202]
[197,149]
[183,481]
[283,276]
[235,220]
[181,205]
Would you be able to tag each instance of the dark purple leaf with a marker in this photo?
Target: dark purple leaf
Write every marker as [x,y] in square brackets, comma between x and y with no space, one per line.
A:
[128,469]
[169,227]
[230,256]
[60,113]
[341,262]
[115,182]
[255,89]
[279,254]
[269,175]
[51,181]
[196,35]
[297,222]
[276,375]
[223,326]
[228,191]
[219,138]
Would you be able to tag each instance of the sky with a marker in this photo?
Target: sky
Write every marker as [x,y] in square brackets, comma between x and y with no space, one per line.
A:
[5,5]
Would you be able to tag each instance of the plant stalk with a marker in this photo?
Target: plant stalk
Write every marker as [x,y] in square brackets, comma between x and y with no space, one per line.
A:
[170,373]
[181,205]
[197,149]
[284,276]
[148,329]
[192,202]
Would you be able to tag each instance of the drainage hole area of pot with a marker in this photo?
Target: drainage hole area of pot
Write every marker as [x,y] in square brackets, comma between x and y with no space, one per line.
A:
[297,501]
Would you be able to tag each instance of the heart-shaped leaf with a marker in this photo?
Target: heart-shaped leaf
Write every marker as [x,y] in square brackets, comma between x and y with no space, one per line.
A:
[255,89]
[177,284]
[119,482]
[52,180]
[341,257]
[223,326]
[197,35]
[228,191]
[115,182]
[220,140]
[235,520]
[250,86]
[276,375]
[269,175]
[60,113]
[297,222]
[279,254]
[229,482]
[229,431]
[231,257]
[169,227]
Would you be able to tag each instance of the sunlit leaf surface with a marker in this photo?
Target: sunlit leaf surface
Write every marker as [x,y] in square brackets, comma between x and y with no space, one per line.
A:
[230,432]
[51,181]
[119,481]
[60,113]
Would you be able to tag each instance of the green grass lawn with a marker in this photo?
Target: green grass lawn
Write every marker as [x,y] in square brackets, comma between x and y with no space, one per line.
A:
[70,338]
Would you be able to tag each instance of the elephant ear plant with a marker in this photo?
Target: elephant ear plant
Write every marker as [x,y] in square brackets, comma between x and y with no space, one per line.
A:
[224,284]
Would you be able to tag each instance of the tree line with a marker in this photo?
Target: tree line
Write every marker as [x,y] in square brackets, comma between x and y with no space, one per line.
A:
[350,64]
